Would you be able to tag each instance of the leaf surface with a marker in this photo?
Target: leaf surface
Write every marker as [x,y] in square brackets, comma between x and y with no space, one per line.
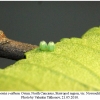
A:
[74,65]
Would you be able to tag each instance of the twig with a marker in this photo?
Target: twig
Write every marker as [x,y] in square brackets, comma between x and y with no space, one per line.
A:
[12,49]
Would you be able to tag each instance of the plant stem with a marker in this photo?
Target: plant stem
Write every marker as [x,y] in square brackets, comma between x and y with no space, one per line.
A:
[12,49]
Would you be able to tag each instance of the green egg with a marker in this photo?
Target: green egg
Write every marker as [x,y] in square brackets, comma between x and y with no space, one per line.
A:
[43,45]
[51,46]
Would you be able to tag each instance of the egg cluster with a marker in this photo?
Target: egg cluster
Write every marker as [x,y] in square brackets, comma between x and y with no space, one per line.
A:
[47,47]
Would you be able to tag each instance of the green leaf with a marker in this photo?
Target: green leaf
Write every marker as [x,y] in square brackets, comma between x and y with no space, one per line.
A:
[73,65]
